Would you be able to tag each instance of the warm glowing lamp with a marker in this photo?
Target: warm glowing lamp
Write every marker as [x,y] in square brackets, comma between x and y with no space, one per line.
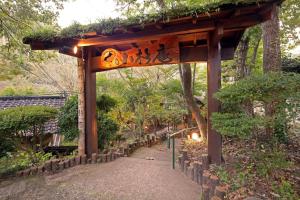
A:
[195,137]
[75,50]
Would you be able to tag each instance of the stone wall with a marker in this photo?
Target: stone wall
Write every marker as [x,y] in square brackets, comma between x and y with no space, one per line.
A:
[57,165]
[197,168]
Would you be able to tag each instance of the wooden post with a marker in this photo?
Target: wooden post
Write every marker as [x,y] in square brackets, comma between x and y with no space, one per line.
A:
[213,85]
[81,106]
[91,136]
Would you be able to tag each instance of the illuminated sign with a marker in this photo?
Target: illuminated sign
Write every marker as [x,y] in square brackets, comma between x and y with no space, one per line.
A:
[142,54]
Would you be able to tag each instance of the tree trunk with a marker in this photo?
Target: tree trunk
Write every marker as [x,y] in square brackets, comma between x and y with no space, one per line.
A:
[271,56]
[243,69]
[241,58]
[81,107]
[161,4]
[271,43]
[254,55]
[186,80]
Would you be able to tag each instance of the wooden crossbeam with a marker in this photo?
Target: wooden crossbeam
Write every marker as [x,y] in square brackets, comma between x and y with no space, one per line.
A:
[146,35]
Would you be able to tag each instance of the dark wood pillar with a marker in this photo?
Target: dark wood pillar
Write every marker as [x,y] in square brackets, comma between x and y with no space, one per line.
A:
[91,137]
[213,85]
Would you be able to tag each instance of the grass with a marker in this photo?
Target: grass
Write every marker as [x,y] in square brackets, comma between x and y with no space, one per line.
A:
[20,160]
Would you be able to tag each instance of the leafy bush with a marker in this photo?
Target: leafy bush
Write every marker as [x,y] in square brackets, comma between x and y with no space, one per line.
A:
[107,129]
[15,122]
[236,180]
[14,162]
[8,144]
[281,88]
[105,103]
[285,190]
[68,119]
[270,161]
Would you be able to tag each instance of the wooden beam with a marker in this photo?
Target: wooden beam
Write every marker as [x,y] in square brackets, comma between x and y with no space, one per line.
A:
[213,105]
[200,54]
[151,34]
[90,105]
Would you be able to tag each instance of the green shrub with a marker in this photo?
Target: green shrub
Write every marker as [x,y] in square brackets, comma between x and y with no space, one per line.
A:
[68,119]
[235,180]
[12,163]
[105,103]
[268,162]
[286,191]
[107,128]
[20,118]
[8,144]
[279,88]
[16,121]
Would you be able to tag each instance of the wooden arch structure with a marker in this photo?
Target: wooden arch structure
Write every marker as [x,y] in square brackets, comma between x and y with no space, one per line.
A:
[207,37]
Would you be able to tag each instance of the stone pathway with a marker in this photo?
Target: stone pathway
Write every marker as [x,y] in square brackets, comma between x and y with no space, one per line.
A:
[132,178]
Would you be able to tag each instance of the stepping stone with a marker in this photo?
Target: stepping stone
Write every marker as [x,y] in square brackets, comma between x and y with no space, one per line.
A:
[149,158]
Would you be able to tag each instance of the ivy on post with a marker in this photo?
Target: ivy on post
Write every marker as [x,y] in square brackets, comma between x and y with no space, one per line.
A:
[81,105]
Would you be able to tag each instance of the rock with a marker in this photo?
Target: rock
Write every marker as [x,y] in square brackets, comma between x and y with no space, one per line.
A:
[252,198]
[275,195]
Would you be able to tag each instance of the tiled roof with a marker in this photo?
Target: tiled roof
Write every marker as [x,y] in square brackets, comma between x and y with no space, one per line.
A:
[52,101]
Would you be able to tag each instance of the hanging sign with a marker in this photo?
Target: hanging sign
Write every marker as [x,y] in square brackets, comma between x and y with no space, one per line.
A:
[160,52]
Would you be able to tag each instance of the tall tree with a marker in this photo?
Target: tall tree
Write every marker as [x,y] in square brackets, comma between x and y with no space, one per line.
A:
[271,43]
[271,56]
[185,69]
[186,80]
[18,18]
[241,54]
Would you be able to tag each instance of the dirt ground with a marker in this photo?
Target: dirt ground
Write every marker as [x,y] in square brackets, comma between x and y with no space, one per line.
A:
[128,178]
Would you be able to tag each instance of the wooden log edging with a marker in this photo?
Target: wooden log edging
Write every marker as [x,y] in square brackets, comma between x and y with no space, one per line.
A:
[198,170]
[57,165]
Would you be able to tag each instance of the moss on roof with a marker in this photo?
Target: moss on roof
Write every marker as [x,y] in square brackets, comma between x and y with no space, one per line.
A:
[106,26]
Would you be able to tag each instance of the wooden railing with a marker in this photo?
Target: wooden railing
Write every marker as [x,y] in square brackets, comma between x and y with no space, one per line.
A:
[173,135]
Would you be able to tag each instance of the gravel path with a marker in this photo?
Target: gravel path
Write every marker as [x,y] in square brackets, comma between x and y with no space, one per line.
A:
[132,178]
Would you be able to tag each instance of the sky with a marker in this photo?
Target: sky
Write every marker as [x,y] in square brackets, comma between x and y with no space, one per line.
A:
[86,11]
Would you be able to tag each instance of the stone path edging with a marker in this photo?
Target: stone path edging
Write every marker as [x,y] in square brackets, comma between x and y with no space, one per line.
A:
[57,165]
[197,170]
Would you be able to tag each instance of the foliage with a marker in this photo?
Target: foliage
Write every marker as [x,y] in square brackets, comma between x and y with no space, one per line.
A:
[13,120]
[105,103]
[282,88]
[236,181]
[290,20]
[291,64]
[233,124]
[19,18]
[285,190]
[107,129]
[16,121]
[20,91]
[106,126]
[45,32]
[14,162]
[8,144]
[268,162]
[68,119]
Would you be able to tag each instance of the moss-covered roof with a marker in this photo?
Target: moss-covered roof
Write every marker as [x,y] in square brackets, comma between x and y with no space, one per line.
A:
[108,26]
